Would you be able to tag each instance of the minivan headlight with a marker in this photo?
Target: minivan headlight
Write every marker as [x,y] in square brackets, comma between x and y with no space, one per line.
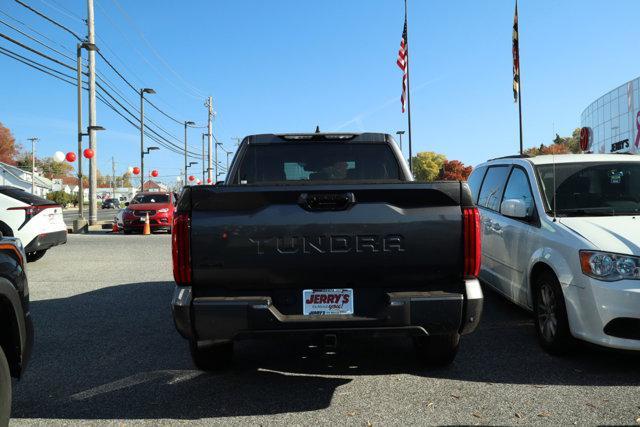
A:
[163,210]
[609,266]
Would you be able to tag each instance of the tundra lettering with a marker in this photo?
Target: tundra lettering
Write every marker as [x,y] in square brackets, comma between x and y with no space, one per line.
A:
[338,244]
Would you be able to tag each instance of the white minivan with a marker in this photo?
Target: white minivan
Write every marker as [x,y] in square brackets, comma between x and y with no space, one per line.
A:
[37,222]
[561,237]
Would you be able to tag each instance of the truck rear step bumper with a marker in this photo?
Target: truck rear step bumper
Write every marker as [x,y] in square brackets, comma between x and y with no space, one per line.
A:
[416,313]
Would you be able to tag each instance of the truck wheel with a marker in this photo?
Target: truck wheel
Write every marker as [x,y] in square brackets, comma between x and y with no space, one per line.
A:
[212,357]
[437,350]
[552,324]
[127,230]
[34,256]
[5,390]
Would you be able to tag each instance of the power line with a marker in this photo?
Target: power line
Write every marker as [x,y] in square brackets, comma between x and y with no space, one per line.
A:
[101,77]
[56,23]
[71,80]
[63,10]
[133,24]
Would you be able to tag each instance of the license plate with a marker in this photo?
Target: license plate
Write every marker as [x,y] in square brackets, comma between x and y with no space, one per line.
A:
[327,301]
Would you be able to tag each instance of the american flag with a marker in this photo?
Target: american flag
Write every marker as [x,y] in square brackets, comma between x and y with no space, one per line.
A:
[402,63]
[516,58]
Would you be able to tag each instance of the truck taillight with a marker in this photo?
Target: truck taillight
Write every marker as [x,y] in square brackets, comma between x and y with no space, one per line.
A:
[31,210]
[472,246]
[181,249]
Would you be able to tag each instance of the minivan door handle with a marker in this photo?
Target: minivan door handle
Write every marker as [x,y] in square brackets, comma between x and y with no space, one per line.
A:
[326,201]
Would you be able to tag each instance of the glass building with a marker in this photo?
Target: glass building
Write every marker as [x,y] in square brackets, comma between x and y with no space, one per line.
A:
[613,120]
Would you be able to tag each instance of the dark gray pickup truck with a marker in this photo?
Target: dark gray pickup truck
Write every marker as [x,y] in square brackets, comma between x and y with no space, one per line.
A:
[326,235]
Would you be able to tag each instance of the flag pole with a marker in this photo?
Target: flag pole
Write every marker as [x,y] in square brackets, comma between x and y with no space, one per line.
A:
[406,18]
[517,77]
[520,111]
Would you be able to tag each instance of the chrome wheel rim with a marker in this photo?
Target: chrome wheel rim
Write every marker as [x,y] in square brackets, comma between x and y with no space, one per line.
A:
[547,319]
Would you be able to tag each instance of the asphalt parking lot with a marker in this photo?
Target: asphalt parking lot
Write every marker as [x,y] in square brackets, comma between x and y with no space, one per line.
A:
[106,351]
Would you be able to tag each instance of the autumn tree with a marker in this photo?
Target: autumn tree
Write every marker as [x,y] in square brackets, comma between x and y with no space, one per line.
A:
[47,167]
[454,170]
[560,145]
[427,165]
[9,150]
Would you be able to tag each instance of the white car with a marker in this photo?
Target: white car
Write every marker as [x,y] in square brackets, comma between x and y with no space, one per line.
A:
[561,237]
[37,222]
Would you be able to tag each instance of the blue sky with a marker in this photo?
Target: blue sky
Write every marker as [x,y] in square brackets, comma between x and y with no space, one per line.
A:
[287,66]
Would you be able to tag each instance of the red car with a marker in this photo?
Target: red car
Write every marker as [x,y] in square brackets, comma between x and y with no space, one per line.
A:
[158,205]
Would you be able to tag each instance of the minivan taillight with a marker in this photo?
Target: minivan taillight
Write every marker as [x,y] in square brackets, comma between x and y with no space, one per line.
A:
[181,249]
[472,246]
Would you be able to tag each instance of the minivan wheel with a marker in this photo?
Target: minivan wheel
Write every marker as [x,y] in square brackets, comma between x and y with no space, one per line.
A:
[437,350]
[552,324]
[211,357]
[5,390]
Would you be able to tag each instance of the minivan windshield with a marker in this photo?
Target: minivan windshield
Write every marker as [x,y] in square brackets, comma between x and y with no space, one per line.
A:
[592,189]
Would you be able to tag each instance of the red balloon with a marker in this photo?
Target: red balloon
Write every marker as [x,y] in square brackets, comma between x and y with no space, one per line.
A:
[192,178]
[136,170]
[88,153]
[71,157]
[154,173]
[208,180]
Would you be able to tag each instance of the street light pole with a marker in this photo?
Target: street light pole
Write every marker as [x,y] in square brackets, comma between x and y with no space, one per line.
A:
[80,185]
[142,92]
[93,142]
[186,124]
[33,163]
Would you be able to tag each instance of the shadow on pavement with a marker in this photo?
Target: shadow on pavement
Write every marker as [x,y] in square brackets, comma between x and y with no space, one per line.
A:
[114,354]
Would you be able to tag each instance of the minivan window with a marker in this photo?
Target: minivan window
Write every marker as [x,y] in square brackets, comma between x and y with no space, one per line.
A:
[475,180]
[491,191]
[592,188]
[518,188]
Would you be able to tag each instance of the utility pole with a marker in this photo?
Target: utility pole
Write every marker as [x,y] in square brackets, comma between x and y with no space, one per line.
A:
[187,123]
[113,177]
[203,165]
[93,143]
[33,164]
[216,180]
[209,105]
[80,185]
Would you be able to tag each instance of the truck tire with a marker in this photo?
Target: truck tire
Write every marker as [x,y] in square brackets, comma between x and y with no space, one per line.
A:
[212,357]
[127,230]
[34,256]
[437,350]
[552,324]
[5,390]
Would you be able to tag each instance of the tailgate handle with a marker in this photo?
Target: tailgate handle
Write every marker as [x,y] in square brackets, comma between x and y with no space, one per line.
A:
[326,201]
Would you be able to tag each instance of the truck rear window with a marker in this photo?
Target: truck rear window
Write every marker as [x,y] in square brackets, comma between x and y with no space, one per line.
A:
[309,162]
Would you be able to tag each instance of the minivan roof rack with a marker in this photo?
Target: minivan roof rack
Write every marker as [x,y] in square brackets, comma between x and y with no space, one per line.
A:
[513,156]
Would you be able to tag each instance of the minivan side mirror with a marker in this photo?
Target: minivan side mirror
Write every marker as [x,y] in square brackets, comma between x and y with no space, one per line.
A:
[514,208]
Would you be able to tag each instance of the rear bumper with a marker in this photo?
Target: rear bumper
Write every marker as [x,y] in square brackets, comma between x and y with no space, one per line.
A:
[46,241]
[415,313]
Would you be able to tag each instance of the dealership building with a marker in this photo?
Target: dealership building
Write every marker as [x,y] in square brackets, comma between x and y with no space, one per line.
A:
[611,123]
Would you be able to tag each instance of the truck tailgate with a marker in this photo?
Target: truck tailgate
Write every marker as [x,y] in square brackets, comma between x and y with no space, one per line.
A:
[332,236]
